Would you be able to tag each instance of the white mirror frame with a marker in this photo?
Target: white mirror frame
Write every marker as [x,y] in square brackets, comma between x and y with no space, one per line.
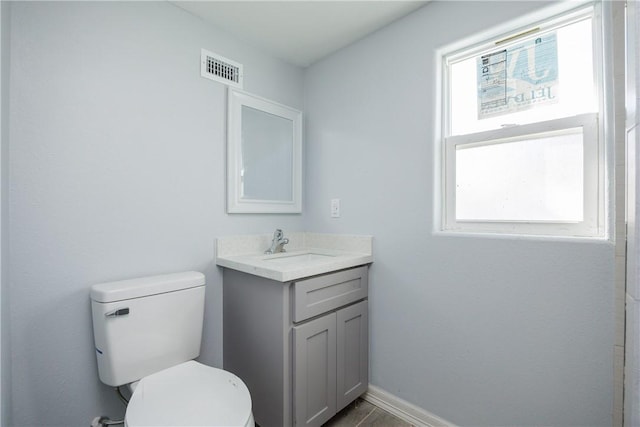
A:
[235,203]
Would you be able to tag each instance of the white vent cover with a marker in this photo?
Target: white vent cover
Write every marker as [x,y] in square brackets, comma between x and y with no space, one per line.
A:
[220,69]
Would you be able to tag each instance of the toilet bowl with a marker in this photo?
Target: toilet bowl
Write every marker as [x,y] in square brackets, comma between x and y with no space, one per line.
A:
[190,394]
[146,332]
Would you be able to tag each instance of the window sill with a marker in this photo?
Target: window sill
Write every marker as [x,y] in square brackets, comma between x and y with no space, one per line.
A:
[529,237]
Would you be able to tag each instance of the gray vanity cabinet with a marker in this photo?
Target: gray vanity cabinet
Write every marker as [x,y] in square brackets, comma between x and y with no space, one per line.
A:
[301,347]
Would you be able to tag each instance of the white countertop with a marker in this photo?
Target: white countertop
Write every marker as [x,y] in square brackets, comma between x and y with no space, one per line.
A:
[309,254]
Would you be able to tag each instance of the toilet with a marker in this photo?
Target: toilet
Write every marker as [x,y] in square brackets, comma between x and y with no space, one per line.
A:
[147,332]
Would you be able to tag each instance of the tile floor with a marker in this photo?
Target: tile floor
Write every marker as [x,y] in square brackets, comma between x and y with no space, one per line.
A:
[363,414]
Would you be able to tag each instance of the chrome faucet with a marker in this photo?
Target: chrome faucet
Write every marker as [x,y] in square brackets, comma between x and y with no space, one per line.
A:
[278,242]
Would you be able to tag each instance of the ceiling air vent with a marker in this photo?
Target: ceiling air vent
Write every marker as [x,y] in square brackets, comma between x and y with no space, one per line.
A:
[220,69]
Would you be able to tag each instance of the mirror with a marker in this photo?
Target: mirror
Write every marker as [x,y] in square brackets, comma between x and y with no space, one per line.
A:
[264,156]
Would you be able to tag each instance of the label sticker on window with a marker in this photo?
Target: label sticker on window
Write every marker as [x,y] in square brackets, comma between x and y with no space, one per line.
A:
[518,78]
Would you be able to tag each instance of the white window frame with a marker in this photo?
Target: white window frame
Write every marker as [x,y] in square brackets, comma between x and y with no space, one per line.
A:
[593,223]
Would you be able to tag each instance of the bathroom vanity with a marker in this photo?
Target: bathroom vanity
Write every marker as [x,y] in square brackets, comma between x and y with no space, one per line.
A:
[296,325]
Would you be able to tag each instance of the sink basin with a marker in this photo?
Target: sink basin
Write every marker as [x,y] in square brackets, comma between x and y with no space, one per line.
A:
[291,259]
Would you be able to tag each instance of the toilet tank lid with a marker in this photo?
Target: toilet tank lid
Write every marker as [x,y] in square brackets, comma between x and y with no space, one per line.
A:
[145,286]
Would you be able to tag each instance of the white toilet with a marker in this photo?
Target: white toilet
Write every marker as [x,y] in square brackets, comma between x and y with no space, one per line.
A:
[147,331]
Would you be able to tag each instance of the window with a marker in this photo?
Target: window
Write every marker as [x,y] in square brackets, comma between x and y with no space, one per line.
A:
[521,133]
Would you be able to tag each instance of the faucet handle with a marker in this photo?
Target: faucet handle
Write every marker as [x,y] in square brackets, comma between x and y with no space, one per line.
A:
[277,242]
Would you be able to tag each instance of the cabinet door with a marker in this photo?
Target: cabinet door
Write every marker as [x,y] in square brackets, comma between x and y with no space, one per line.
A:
[314,374]
[353,353]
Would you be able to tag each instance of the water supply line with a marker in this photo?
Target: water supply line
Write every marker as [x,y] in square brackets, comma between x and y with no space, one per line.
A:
[121,396]
[105,421]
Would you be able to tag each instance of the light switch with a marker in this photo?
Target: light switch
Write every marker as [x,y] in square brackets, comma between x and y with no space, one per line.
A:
[335,208]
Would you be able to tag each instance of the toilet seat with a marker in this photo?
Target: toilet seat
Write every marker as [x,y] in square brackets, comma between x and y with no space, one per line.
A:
[190,394]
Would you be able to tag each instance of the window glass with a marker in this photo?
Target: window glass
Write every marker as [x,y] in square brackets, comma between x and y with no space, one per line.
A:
[575,92]
[535,179]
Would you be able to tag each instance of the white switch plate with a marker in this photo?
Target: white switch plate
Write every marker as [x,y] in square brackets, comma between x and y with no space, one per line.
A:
[335,208]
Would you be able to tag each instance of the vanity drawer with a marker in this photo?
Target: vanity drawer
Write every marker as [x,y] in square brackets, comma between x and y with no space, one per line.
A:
[325,293]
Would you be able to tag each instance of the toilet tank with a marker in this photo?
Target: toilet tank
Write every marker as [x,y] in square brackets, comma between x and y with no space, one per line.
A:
[145,325]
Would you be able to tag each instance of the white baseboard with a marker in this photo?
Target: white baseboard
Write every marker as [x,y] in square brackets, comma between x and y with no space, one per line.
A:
[402,409]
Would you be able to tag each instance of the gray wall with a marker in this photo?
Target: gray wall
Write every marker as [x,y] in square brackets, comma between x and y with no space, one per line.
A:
[480,331]
[632,343]
[117,170]
[5,353]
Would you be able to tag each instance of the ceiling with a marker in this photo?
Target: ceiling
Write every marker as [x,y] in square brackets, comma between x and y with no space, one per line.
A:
[300,32]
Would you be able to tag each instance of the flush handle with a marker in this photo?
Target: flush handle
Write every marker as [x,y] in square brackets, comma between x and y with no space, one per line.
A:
[118,312]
